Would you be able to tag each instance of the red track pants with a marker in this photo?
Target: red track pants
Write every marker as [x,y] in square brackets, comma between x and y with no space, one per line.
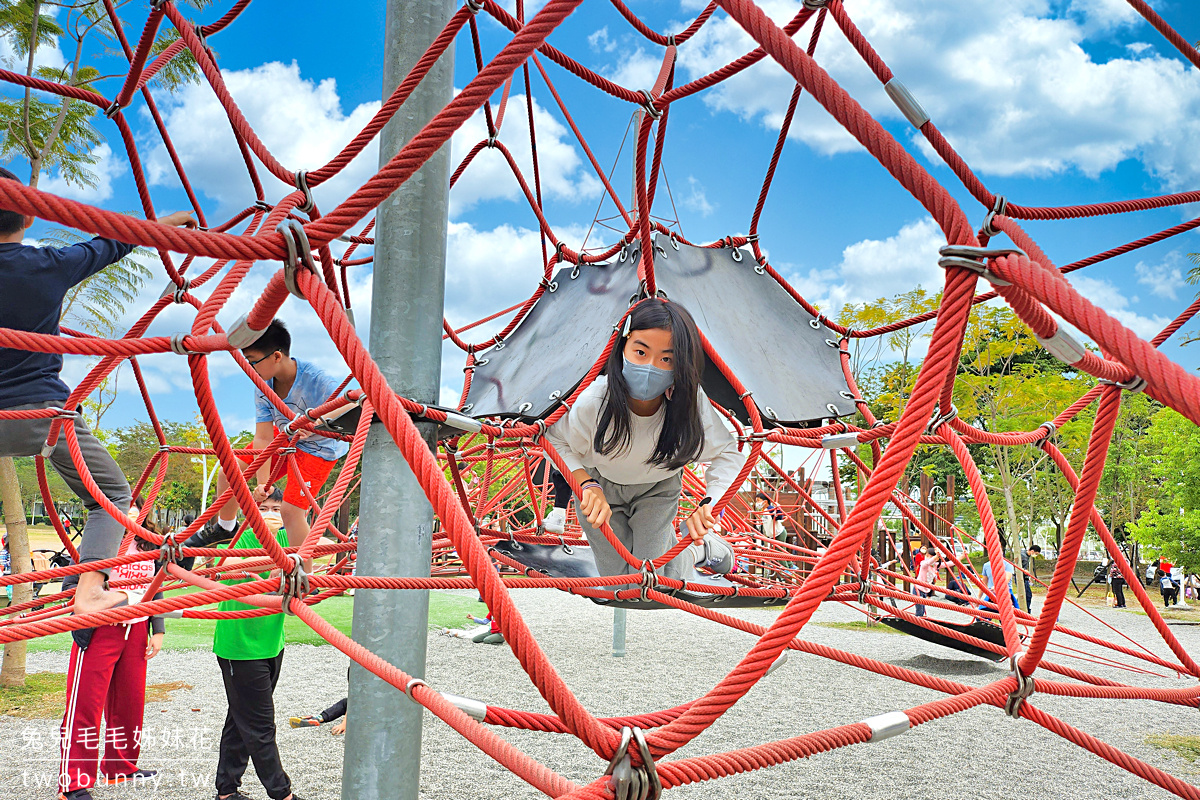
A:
[108,678]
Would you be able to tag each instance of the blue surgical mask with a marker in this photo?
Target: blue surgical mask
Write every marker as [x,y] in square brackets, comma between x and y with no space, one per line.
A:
[646,381]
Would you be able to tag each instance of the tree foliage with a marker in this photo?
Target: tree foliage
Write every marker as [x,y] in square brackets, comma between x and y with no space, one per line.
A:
[1170,464]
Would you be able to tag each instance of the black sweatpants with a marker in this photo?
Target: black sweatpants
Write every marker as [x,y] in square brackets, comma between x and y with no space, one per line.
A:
[249,731]
[560,489]
[335,711]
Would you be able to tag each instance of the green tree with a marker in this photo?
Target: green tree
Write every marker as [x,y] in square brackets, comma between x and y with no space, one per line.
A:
[1193,277]
[1170,524]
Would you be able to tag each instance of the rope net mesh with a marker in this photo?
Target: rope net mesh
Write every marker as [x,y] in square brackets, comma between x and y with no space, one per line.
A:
[490,485]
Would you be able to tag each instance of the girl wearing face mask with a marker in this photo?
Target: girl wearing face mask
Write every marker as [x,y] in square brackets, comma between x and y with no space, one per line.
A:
[631,433]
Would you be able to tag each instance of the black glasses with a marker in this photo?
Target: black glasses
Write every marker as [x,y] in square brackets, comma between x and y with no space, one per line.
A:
[264,358]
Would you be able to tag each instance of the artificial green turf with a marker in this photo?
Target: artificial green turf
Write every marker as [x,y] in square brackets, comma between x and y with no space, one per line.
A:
[445,611]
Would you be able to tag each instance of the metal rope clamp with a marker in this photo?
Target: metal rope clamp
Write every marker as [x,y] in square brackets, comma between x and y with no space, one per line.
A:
[176,292]
[170,551]
[940,419]
[654,113]
[629,782]
[293,585]
[999,209]
[649,579]
[975,259]
[298,253]
[1133,385]
[179,348]
[302,184]
[1050,428]
[1025,687]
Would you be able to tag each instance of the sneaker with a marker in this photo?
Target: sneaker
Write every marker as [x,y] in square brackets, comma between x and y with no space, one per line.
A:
[210,535]
[235,796]
[305,722]
[77,794]
[555,521]
[116,780]
[714,553]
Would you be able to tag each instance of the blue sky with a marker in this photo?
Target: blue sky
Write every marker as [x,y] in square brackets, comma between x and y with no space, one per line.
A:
[1052,103]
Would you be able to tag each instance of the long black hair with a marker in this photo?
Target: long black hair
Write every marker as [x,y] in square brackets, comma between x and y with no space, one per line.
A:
[682,438]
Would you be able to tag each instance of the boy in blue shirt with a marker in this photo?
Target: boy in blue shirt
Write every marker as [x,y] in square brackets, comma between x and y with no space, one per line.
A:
[35,282]
[302,386]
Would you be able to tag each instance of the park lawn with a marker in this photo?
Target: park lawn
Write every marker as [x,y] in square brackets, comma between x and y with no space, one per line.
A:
[445,611]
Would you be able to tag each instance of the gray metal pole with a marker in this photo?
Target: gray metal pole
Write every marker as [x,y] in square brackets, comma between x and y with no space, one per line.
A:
[383,737]
[618,633]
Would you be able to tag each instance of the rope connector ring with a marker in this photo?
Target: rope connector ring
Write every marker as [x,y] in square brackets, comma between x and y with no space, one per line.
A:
[630,783]
[262,205]
[649,578]
[1025,687]
[170,551]
[412,684]
[293,585]
[999,209]
[112,110]
[649,107]
[179,348]
[940,419]
[177,291]
[474,6]
[1133,385]
[975,259]
[302,184]
[298,252]
[1051,429]
[815,5]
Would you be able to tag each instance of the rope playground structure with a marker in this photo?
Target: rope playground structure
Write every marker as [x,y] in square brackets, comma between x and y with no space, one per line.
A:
[487,482]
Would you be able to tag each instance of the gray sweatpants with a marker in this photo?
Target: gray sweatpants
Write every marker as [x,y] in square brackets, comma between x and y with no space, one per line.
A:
[25,437]
[643,517]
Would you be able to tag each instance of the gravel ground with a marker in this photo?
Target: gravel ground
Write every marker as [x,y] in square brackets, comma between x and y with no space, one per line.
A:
[672,658]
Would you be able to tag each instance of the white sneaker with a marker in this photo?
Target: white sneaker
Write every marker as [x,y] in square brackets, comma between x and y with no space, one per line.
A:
[555,521]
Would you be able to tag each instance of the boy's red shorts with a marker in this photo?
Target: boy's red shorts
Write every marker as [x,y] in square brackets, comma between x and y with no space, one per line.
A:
[312,475]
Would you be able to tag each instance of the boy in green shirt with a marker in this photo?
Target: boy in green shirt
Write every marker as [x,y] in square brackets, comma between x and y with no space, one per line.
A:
[250,653]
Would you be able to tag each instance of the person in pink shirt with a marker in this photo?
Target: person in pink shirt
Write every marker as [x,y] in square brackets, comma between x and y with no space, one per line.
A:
[931,564]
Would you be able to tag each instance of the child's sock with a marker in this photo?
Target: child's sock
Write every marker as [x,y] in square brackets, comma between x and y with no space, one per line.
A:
[228,524]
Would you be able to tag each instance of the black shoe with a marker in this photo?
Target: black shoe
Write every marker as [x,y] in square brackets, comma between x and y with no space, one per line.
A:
[235,796]
[210,535]
[78,794]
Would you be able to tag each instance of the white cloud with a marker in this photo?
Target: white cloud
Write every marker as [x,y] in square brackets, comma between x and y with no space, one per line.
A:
[107,168]
[874,268]
[487,271]
[300,121]
[48,55]
[1165,278]
[564,173]
[601,42]
[697,198]
[1015,92]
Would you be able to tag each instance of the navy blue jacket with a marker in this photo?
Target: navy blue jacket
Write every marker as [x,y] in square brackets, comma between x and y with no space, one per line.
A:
[33,283]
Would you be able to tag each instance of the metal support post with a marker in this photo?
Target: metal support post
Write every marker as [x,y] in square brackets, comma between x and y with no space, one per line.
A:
[618,633]
[383,743]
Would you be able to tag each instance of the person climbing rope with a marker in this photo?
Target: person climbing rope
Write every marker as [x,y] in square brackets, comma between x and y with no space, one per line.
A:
[631,433]
[106,678]
[35,281]
[302,386]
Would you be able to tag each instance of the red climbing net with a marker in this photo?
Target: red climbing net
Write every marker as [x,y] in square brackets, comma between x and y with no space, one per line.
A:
[506,501]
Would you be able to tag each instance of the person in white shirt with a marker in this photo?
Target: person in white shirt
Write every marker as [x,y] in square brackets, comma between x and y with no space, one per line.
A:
[631,433]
